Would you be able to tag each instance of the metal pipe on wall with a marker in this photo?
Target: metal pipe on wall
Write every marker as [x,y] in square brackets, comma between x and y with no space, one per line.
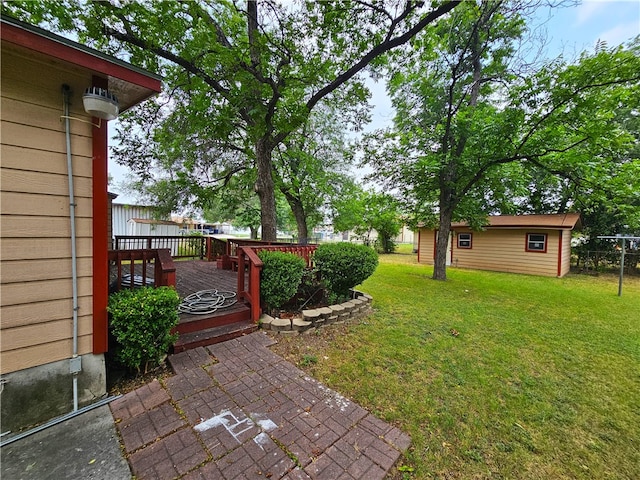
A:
[75,364]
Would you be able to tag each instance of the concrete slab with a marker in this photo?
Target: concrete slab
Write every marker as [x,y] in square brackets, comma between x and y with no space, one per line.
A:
[85,447]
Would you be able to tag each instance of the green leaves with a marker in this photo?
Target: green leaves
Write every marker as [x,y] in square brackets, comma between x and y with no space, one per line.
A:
[240,78]
[342,266]
[280,278]
[141,321]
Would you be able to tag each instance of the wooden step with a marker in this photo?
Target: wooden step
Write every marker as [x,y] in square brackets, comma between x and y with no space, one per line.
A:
[213,335]
[226,316]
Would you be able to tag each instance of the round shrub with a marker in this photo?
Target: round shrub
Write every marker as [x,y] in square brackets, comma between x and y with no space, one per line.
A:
[141,321]
[281,276]
[342,266]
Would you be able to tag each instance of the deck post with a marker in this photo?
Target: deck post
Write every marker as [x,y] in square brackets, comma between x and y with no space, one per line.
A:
[254,288]
[241,269]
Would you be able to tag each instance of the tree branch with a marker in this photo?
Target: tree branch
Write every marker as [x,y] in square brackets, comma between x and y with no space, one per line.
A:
[554,108]
[167,55]
[378,50]
[534,159]
[203,14]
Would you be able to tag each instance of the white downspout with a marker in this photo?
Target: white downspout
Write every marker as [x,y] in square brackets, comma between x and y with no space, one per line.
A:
[76,361]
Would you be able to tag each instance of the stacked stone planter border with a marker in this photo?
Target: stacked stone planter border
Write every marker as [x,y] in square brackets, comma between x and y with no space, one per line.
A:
[309,320]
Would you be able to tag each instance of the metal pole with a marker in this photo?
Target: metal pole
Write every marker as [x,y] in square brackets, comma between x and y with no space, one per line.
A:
[624,242]
[75,365]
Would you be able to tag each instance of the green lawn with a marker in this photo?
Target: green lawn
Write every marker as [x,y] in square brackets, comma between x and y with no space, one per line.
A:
[497,375]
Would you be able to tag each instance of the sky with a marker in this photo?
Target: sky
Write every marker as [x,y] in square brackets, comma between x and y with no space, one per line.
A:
[570,31]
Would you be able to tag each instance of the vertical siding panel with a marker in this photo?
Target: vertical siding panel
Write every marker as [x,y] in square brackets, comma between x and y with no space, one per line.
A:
[34,159]
[426,246]
[123,213]
[504,251]
[560,251]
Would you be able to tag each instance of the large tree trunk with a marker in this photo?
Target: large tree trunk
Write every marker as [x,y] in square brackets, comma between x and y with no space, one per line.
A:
[303,231]
[447,206]
[298,213]
[442,244]
[266,190]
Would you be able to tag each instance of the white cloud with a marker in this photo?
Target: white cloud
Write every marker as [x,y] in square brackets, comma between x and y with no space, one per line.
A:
[588,10]
[619,34]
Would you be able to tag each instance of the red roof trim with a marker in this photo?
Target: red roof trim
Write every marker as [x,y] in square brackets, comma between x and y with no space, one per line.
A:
[567,221]
[47,46]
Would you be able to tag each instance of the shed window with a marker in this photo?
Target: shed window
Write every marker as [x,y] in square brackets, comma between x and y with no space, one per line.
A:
[464,240]
[536,242]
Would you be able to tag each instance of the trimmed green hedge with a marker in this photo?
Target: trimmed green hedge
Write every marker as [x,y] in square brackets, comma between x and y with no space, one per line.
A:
[141,321]
[342,266]
[281,276]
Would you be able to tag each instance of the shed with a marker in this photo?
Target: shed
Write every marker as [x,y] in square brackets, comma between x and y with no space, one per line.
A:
[152,227]
[531,244]
[123,212]
[54,318]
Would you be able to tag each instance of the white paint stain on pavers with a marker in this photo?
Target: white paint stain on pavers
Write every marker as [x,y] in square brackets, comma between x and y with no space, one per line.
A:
[267,425]
[261,439]
[238,425]
[333,399]
[234,425]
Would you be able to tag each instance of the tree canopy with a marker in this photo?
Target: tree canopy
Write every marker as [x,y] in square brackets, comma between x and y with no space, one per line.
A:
[245,75]
[473,132]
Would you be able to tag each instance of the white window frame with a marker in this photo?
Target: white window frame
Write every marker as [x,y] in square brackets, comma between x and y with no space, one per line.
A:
[468,240]
[536,245]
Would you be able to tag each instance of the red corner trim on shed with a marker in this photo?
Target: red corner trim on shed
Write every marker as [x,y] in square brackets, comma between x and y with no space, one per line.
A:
[559,253]
[47,45]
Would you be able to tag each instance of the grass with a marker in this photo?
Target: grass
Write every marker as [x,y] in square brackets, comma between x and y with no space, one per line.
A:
[497,375]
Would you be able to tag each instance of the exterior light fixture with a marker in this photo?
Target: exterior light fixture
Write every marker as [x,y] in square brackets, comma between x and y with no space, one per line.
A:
[99,103]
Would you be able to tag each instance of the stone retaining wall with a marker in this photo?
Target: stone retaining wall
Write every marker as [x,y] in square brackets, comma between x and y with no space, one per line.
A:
[308,320]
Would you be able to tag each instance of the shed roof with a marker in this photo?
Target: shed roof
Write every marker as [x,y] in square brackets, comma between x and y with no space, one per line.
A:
[559,221]
[152,221]
[129,83]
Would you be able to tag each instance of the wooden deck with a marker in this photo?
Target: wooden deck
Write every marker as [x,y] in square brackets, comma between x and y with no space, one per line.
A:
[197,330]
[196,275]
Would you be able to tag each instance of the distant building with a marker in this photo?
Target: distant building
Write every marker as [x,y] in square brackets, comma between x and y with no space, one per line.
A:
[152,227]
[123,212]
[533,244]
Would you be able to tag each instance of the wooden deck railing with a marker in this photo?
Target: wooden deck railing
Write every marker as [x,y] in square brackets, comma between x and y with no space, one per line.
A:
[234,243]
[248,260]
[216,248]
[138,265]
[180,246]
[187,246]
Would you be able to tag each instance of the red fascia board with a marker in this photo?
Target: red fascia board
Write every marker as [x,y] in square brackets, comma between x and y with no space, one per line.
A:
[26,39]
[527,227]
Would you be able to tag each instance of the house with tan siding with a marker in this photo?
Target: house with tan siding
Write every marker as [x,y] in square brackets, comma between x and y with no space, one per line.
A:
[53,330]
[531,244]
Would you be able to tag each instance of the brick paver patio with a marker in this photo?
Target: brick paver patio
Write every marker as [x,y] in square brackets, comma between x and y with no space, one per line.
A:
[236,410]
